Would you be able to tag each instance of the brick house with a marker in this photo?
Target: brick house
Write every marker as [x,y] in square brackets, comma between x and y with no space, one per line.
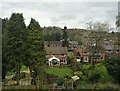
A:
[89,56]
[56,55]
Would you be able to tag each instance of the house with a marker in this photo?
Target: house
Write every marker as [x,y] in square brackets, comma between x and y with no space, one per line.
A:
[89,56]
[56,55]
[97,57]
[111,49]
[73,44]
[84,56]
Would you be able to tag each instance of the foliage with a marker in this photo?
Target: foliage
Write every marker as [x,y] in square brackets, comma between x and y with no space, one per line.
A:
[35,50]
[95,37]
[94,75]
[98,86]
[65,37]
[105,77]
[15,42]
[78,73]
[113,67]
[85,66]
[87,71]
[55,36]
[60,81]
[74,65]
[5,61]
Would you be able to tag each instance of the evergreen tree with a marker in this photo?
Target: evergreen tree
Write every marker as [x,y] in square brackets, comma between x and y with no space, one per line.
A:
[65,37]
[5,63]
[36,51]
[113,67]
[15,44]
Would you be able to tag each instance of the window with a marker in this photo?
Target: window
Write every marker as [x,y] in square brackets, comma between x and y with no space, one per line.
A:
[85,59]
[54,61]
[61,60]
[48,45]
[101,57]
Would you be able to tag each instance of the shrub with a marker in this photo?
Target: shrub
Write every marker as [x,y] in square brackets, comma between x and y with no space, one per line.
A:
[60,81]
[78,73]
[94,75]
[113,67]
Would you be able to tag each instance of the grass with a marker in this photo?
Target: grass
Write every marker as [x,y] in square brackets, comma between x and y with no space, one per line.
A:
[60,72]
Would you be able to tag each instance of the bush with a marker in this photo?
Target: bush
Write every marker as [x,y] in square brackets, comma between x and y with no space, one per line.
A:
[94,75]
[113,68]
[78,73]
[60,81]
[84,78]
[21,76]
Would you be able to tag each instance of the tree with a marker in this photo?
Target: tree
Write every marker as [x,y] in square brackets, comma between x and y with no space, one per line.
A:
[46,37]
[14,45]
[36,51]
[113,67]
[94,75]
[5,63]
[95,37]
[65,37]
[55,36]
[98,31]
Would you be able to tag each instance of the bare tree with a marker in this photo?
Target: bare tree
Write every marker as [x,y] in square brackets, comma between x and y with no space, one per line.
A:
[97,34]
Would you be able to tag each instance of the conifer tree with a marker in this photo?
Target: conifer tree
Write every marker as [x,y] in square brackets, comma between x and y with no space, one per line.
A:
[36,51]
[15,45]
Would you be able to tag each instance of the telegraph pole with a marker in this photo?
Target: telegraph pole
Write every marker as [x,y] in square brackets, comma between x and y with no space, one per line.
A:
[118,26]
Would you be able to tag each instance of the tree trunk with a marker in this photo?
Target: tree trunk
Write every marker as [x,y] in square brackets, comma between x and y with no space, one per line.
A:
[18,75]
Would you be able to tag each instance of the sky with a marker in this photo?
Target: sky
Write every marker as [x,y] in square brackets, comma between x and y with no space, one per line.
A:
[70,14]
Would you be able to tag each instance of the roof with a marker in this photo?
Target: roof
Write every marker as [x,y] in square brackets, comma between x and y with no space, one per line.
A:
[54,59]
[108,47]
[73,42]
[75,78]
[56,50]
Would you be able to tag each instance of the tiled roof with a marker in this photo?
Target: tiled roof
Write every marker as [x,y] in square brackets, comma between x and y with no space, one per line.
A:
[56,50]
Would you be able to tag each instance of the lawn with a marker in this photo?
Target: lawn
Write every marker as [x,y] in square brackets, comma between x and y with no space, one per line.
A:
[60,72]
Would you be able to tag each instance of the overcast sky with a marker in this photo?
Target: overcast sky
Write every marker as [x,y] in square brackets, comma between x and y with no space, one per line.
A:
[71,14]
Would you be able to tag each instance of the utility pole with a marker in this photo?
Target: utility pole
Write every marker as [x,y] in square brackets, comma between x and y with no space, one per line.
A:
[119,26]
